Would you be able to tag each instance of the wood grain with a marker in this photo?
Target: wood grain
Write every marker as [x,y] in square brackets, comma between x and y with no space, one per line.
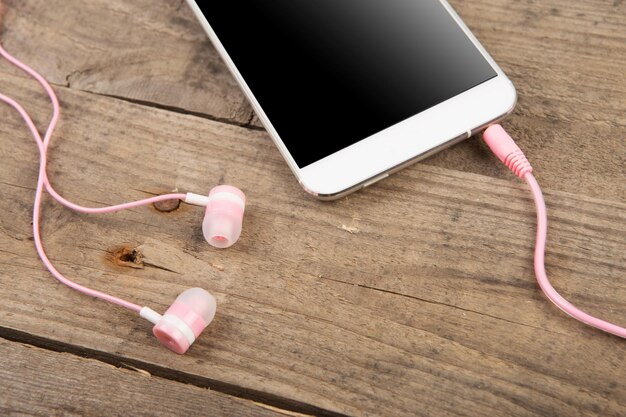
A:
[426,305]
[37,382]
[153,52]
[566,59]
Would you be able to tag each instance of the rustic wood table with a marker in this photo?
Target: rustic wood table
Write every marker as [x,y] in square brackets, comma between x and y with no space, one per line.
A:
[415,296]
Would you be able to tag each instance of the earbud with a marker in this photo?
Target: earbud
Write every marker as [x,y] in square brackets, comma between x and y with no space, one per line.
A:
[223,218]
[182,323]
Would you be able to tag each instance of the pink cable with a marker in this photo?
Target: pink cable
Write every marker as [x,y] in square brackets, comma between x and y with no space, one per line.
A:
[505,148]
[43,181]
[540,269]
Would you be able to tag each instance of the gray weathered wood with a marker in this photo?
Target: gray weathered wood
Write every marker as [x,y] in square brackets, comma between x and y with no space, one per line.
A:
[37,382]
[142,50]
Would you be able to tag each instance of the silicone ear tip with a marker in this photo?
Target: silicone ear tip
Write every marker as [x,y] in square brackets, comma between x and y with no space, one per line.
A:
[221,230]
[171,337]
[224,216]
[200,301]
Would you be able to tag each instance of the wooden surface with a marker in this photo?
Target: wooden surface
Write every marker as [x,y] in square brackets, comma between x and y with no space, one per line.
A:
[51,383]
[415,296]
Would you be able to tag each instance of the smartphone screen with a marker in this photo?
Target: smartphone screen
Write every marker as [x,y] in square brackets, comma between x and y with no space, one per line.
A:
[330,73]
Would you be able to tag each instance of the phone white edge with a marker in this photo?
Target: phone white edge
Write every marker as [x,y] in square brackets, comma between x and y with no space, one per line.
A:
[377,156]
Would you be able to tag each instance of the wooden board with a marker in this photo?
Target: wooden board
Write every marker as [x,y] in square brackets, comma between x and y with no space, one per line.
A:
[38,382]
[413,297]
[428,307]
[145,51]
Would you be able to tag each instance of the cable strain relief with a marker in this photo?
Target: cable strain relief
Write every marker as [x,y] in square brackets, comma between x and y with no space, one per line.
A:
[197,199]
[518,163]
[150,315]
[505,148]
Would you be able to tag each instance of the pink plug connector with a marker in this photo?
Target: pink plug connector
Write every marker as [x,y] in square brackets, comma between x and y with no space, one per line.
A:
[507,150]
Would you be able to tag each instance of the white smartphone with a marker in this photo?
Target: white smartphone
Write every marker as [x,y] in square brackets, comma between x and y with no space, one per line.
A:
[353,90]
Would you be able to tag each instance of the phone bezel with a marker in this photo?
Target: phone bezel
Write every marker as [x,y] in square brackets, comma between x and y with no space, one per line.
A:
[398,146]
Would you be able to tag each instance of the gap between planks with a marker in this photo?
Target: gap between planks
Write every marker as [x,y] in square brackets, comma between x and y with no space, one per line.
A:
[272,402]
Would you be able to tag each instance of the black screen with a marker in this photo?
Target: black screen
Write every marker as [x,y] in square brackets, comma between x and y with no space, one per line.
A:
[329,73]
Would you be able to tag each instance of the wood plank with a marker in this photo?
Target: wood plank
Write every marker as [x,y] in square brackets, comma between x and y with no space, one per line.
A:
[38,382]
[565,58]
[154,52]
[428,307]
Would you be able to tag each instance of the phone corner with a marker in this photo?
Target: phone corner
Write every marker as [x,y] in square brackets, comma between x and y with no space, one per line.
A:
[507,102]
[510,98]
[323,193]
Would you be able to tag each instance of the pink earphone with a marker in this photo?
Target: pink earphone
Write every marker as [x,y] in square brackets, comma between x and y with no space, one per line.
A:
[195,308]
